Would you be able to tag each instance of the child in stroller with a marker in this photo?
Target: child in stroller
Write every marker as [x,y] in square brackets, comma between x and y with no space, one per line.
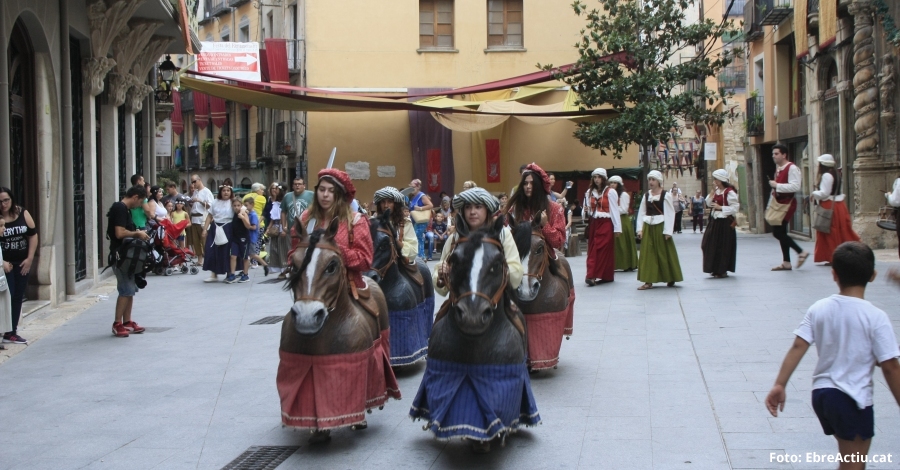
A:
[171,258]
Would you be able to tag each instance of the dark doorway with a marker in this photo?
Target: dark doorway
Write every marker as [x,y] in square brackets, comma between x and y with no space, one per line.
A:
[80,234]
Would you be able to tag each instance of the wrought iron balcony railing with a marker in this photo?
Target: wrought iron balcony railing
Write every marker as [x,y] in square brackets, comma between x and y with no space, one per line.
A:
[193,157]
[241,153]
[224,161]
[752,29]
[285,133]
[773,12]
[756,116]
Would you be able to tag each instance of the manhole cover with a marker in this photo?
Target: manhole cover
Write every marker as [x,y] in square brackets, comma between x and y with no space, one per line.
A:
[156,329]
[261,457]
[271,281]
[268,320]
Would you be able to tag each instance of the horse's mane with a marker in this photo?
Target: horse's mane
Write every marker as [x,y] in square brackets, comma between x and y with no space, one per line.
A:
[384,220]
[294,278]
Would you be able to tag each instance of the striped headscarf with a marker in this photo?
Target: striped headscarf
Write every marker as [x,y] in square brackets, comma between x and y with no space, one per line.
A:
[476,196]
[389,192]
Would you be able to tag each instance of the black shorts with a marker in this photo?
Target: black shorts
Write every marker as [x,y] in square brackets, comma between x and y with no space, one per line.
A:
[841,417]
[240,247]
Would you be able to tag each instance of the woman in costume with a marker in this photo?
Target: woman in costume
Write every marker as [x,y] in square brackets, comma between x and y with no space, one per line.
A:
[279,238]
[474,210]
[532,198]
[828,196]
[389,198]
[659,260]
[719,243]
[601,205]
[218,257]
[626,248]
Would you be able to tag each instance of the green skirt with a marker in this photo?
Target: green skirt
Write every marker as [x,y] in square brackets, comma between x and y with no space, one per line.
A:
[626,249]
[659,260]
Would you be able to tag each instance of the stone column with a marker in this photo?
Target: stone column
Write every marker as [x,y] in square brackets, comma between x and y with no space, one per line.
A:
[870,169]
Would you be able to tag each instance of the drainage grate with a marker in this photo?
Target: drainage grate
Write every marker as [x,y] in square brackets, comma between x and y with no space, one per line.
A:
[268,320]
[261,458]
[272,281]
[156,329]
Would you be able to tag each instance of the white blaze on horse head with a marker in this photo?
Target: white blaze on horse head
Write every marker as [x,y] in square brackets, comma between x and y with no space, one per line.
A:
[525,286]
[311,268]
[477,262]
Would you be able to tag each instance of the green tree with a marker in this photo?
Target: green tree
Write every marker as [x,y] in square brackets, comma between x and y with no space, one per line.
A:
[661,86]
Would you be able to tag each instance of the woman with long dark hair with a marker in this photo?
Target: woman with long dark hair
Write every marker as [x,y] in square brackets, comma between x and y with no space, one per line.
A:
[626,247]
[601,206]
[389,198]
[532,199]
[218,257]
[20,241]
[279,238]
[154,202]
[828,196]
[719,243]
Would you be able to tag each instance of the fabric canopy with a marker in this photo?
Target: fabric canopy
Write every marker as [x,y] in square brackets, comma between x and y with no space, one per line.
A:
[217,111]
[177,119]
[201,110]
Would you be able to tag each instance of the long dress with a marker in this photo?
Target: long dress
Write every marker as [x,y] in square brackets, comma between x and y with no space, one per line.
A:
[626,248]
[719,243]
[279,245]
[841,225]
[603,209]
[218,257]
[659,259]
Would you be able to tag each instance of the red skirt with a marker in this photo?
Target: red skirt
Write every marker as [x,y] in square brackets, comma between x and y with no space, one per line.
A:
[601,253]
[570,314]
[841,231]
[326,392]
[545,333]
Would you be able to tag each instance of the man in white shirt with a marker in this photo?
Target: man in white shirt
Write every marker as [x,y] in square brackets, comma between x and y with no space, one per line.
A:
[201,198]
[852,336]
[785,183]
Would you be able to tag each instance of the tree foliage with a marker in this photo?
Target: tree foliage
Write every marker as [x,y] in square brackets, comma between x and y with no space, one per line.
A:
[662,87]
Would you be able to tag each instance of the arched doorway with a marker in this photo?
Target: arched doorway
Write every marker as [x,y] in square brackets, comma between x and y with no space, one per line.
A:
[23,156]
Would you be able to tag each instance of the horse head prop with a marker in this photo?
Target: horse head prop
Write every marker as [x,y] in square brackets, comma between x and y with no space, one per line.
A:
[387,249]
[536,255]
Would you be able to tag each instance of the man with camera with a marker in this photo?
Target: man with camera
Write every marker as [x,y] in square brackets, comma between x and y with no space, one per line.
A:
[119,227]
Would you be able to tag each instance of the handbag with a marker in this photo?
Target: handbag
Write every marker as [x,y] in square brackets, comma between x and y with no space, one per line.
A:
[420,217]
[3,285]
[887,218]
[822,222]
[221,238]
[776,211]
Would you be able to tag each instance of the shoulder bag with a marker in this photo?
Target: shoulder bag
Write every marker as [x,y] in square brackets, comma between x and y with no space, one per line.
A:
[822,222]
[776,211]
[221,237]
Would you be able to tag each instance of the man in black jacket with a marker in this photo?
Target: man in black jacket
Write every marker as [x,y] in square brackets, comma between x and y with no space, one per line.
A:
[120,226]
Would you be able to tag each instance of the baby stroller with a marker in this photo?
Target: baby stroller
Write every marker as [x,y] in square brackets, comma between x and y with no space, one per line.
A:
[169,257]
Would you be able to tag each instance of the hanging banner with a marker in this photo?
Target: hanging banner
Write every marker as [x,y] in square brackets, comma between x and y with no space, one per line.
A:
[492,160]
[827,23]
[238,60]
[164,139]
[434,170]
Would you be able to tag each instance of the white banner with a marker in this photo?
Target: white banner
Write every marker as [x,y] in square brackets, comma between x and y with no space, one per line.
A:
[164,139]
[709,151]
[239,60]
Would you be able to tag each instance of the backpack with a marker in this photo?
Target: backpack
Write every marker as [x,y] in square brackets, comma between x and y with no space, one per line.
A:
[133,256]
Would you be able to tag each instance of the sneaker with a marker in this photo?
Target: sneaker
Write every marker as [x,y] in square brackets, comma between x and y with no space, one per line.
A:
[133,327]
[230,279]
[14,338]
[119,330]
[266,270]
[244,278]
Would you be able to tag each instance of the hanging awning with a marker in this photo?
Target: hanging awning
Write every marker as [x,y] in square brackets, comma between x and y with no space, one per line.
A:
[201,110]
[217,111]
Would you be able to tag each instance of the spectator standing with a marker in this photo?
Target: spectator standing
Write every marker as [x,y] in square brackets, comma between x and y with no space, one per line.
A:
[828,196]
[120,225]
[294,203]
[255,235]
[554,196]
[218,257]
[20,241]
[241,227]
[420,209]
[5,303]
[679,203]
[698,208]
[157,210]
[201,200]
[659,259]
[279,241]
[139,213]
[852,336]
[258,197]
[180,215]
[441,232]
[719,244]
[172,193]
[893,199]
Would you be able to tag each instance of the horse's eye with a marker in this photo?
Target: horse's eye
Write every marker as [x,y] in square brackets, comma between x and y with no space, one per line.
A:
[331,268]
[540,249]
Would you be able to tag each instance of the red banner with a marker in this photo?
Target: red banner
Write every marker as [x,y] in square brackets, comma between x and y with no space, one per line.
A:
[217,111]
[201,110]
[434,170]
[177,119]
[492,153]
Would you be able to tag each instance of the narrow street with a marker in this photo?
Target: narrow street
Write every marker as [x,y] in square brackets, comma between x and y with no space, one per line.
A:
[661,379]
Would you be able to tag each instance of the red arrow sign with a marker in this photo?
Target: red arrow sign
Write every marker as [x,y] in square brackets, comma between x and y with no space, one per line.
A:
[213,62]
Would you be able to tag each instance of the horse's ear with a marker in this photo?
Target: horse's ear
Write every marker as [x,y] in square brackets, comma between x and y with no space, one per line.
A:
[511,219]
[498,226]
[333,228]
[386,217]
[462,228]
[300,229]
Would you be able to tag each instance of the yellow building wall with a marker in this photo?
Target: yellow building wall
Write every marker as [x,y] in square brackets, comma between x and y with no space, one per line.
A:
[376,47]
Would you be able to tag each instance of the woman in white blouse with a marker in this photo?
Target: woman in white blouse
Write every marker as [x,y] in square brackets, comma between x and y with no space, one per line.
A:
[659,260]
[893,199]
[601,205]
[218,257]
[719,243]
[626,248]
[828,196]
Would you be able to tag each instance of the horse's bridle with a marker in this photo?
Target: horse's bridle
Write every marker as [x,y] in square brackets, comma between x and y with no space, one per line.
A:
[546,258]
[381,272]
[494,299]
[343,279]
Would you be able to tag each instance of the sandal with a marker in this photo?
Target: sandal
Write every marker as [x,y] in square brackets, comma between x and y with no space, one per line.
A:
[646,286]
[590,282]
[670,284]
[802,259]
[781,267]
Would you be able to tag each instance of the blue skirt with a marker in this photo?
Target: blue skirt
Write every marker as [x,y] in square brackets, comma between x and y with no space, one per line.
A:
[410,330]
[477,401]
[217,258]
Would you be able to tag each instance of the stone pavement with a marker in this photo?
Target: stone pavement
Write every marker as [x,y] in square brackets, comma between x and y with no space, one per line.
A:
[666,378]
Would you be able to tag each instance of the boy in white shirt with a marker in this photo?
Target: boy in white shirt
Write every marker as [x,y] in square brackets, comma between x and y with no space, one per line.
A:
[851,336]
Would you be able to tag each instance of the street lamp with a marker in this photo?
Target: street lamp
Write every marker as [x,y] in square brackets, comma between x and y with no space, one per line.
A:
[166,75]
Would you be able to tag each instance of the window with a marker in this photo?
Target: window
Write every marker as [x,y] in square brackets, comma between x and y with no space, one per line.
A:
[505,24]
[244,28]
[225,34]
[436,24]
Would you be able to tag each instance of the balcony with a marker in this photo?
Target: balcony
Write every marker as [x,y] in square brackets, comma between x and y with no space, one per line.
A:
[187,101]
[285,134]
[264,151]
[738,7]
[756,116]
[295,48]
[241,153]
[215,7]
[193,158]
[224,154]
[773,12]
[236,3]
[812,14]
[734,77]
[206,157]
[752,29]
[163,163]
